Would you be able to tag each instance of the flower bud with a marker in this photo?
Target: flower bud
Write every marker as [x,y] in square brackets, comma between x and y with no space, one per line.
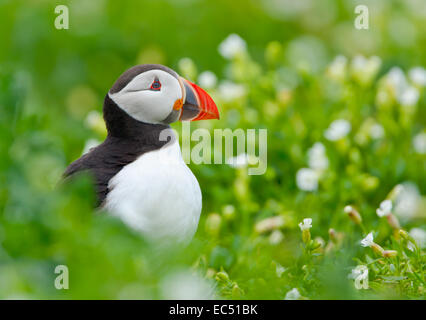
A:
[276,237]
[228,212]
[353,214]
[304,227]
[222,276]
[319,242]
[393,221]
[389,253]
[269,224]
[213,223]
[210,273]
[404,234]
[306,236]
[318,245]
[333,235]
[237,292]
[273,53]
[377,248]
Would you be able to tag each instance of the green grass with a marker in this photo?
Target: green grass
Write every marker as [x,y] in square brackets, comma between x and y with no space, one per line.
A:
[50,80]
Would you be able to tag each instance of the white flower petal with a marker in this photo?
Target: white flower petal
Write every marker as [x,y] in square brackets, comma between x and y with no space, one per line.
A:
[317,157]
[232,46]
[409,96]
[307,179]
[183,285]
[368,240]
[385,208]
[293,294]
[337,130]
[90,144]
[307,224]
[230,91]
[417,75]
[207,80]
[419,235]
[419,143]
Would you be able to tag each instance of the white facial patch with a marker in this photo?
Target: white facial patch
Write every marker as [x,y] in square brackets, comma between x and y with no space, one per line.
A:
[144,104]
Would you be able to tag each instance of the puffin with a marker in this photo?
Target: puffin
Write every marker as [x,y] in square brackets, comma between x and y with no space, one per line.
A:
[138,170]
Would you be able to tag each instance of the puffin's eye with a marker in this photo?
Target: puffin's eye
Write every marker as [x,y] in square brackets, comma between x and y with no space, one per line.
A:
[156,85]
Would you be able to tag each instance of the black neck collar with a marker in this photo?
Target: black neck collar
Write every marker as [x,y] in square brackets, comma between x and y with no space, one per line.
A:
[122,126]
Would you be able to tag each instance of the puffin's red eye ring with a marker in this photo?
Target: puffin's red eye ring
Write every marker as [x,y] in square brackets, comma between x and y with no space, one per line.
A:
[156,85]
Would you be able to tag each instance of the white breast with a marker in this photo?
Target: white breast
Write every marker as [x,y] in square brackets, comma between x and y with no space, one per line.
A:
[157,195]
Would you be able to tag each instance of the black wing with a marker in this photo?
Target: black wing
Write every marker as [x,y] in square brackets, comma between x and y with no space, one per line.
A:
[100,165]
[107,159]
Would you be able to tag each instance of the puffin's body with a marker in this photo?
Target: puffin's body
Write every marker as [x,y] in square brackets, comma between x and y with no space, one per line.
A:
[139,172]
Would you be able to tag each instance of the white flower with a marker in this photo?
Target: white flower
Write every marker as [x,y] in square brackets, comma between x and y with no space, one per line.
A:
[368,240]
[93,119]
[228,211]
[269,224]
[348,209]
[363,69]
[279,269]
[360,274]
[358,63]
[369,129]
[395,78]
[409,96]
[183,285]
[377,131]
[207,80]
[365,65]
[404,93]
[419,235]
[337,130]
[417,75]
[419,143]
[276,237]
[407,201]
[90,144]
[232,46]
[359,270]
[293,294]
[385,208]
[307,179]
[337,69]
[306,225]
[230,91]
[241,161]
[187,68]
[317,157]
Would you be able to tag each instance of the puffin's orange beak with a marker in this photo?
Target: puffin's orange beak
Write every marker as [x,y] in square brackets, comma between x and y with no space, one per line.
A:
[197,104]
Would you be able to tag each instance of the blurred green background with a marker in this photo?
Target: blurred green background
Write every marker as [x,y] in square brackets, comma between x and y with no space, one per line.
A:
[280,73]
